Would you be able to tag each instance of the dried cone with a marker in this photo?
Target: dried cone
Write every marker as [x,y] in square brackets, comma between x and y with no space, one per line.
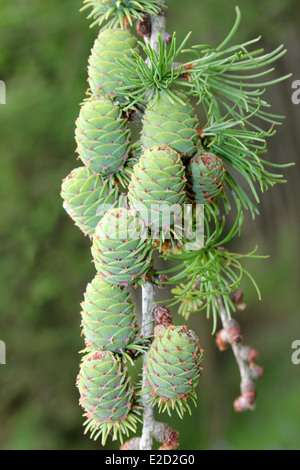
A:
[108,318]
[106,395]
[105,73]
[87,197]
[121,250]
[157,187]
[173,369]
[173,124]
[206,174]
[102,137]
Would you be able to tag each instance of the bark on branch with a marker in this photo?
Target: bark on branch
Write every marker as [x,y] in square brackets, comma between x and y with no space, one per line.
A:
[146,440]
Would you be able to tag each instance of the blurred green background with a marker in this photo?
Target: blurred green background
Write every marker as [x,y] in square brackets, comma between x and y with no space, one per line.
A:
[45,261]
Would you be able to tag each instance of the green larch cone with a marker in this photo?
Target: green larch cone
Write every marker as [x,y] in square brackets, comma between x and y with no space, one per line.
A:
[105,73]
[173,368]
[157,187]
[205,173]
[107,396]
[121,250]
[108,317]
[87,197]
[121,11]
[102,137]
[173,124]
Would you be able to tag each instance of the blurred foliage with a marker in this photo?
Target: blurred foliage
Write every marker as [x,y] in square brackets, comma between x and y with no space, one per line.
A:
[45,262]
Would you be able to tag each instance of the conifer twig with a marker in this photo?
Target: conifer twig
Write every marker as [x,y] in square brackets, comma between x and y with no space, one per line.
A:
[162,433]
[246,358]
[158,27]
[147,330]
[151,429]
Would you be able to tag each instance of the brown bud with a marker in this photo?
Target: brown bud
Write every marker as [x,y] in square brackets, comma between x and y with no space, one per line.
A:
[248,390]
[186,76]
[222,340]
[188,67]
[133,444]
[162,316]
[240,405]
[237,296]
[241,307]
[143,27]
[185,72]
[248,354]
[162,278]
[234,331]
[200,132]
[257,372]
[165,247]
[171,441]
